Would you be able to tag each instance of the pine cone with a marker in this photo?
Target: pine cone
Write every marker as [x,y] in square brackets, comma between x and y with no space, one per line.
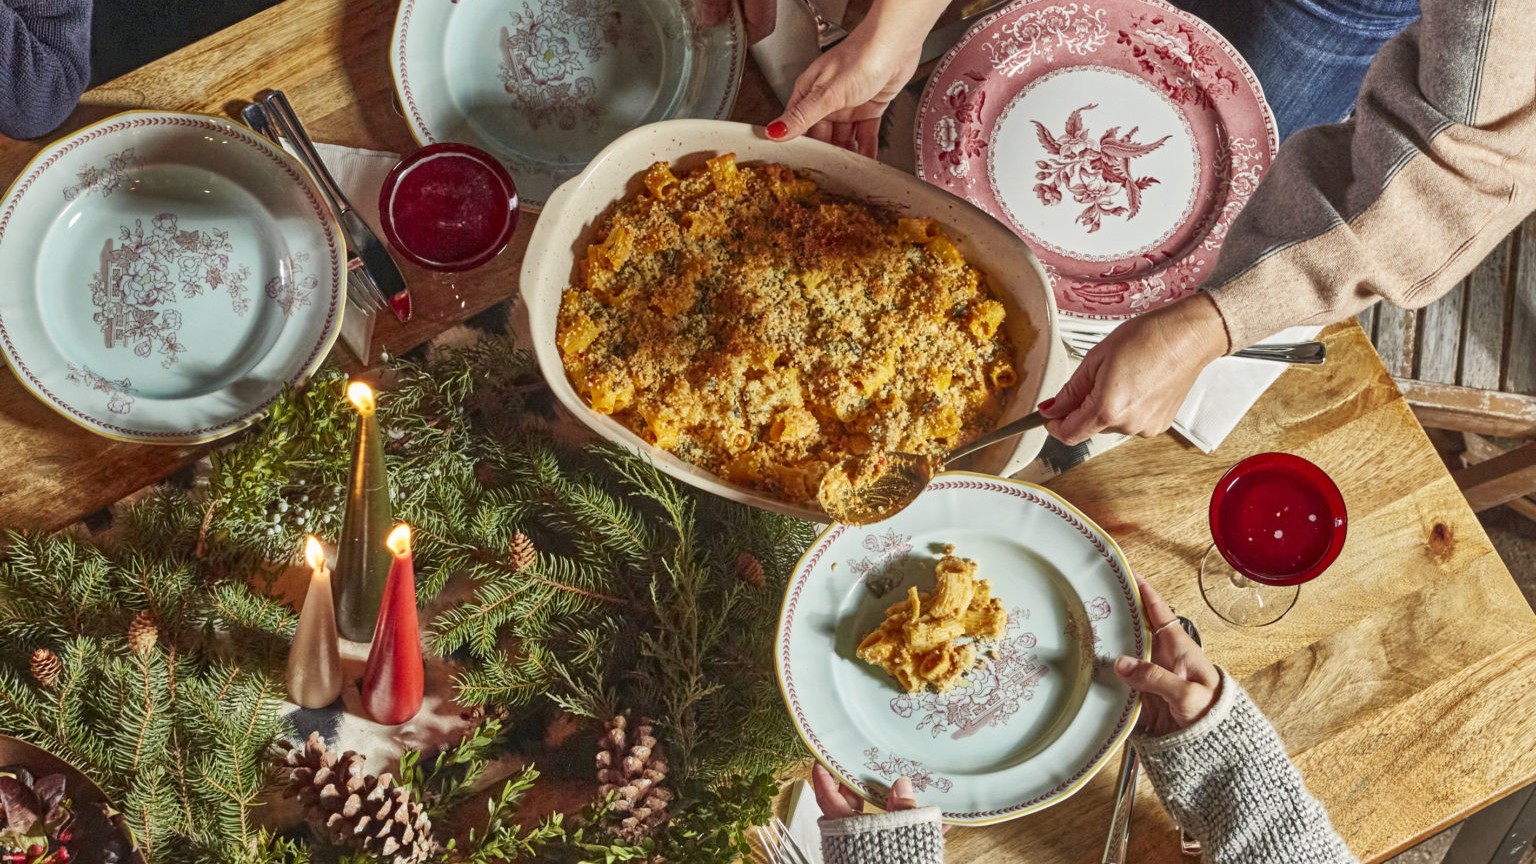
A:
[46,667]
[751,570]
[142,633]
[354,808]
[630,764]
[524,553]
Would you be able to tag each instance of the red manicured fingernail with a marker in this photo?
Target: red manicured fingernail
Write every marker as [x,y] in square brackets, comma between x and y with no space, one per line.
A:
[778,129]
[1046,405]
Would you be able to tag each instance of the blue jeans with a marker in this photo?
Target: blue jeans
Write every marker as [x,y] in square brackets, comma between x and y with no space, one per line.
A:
[1310,55]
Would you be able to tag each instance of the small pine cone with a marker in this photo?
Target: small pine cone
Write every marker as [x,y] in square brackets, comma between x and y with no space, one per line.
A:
[632,769]
[751,570]
[142,633]
[46,667]
[524,553]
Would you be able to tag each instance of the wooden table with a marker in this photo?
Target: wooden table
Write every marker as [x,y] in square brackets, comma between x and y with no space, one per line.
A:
[1404,681]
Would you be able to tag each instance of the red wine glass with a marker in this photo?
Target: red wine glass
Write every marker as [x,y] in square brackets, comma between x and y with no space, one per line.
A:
[448,207]
[1277,521]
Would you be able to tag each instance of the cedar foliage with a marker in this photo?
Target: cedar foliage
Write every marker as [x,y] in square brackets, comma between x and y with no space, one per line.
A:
[633,600]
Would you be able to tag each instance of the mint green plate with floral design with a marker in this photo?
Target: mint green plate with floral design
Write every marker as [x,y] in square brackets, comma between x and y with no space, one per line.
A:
[543,85]
[166,276]
[1024,731]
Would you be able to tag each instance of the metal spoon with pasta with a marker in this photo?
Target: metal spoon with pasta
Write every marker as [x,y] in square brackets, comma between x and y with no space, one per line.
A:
[902,477]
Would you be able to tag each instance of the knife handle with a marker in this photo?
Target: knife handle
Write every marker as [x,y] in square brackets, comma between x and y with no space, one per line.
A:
[281,112]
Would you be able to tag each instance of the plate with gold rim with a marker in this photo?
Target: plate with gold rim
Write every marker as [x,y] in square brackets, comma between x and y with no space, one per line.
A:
[167,276]
[543,85]
[1023,731]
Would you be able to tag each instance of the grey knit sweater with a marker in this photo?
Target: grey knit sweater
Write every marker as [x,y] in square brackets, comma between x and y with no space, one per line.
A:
[45,63]
[1226,779]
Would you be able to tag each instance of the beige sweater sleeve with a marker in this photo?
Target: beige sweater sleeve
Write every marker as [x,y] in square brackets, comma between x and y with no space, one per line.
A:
[1400,202]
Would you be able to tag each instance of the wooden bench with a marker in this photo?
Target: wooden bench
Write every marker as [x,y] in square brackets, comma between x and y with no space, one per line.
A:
[1467,363]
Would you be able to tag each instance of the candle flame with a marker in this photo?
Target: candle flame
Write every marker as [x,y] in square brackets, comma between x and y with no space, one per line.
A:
[399,541]
[314,554]
[362,396]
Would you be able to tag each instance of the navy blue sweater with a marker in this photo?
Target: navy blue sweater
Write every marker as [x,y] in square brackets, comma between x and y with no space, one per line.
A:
[45,63]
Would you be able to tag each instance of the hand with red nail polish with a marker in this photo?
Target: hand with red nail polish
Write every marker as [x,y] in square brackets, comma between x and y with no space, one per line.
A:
[1134,381]
[842,95]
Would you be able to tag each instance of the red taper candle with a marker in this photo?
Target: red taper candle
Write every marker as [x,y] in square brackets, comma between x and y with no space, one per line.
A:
[394,679]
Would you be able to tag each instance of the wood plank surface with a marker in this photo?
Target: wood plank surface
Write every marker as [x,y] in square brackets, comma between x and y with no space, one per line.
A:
[1503,478]
[1402,682]
[1483,325]
[1440,325]
[1520,376]
[1486,412]
[1395,338]
[332,59]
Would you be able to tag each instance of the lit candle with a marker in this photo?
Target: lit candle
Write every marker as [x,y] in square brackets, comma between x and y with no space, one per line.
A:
[314,666]
[362,561]
[393,678]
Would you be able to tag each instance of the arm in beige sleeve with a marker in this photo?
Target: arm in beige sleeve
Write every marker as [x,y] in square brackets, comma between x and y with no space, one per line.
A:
[1436,166]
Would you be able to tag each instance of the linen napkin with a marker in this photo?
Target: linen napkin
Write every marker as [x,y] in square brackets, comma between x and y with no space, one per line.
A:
[360,174]
[783,54]
[1226,390]
[803,813]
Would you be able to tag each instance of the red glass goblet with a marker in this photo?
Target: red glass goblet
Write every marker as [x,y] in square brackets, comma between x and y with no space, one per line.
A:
[1277,521]
[448,207]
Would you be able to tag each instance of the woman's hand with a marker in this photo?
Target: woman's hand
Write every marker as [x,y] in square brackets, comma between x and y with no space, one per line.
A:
[839,802]
[841,96]
[1178,686]
[1135,380]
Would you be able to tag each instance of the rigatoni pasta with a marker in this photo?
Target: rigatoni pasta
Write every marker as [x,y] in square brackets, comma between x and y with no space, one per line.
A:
[763,329]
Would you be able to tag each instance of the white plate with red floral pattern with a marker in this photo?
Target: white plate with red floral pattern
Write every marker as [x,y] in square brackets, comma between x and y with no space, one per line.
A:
[1024,731]
[543,85]
[166,276]
[1119,138]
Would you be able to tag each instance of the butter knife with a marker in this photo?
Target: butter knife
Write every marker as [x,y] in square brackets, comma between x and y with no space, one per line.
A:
[941,39]
[385,274]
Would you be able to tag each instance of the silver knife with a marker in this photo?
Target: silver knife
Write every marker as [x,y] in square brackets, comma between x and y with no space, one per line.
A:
[360,237]
[941,39]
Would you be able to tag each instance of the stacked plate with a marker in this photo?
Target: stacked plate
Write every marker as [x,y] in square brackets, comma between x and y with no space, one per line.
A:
[167,275]
[543,85]
[1118,138]
[1024,731]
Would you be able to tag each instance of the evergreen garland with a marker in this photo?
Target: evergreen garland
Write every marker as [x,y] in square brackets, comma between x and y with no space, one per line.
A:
[633,599]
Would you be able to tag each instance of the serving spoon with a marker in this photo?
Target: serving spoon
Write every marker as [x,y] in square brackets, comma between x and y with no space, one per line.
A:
[906,475]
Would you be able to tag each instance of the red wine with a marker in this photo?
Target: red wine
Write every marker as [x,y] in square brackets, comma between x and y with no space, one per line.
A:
[1274,523]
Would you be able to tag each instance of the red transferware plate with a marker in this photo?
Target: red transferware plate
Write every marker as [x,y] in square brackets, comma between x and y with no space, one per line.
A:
[1118,138]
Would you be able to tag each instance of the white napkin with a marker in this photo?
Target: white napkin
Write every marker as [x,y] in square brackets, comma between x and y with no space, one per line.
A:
[360,174]
[791,47]
[803,814]
[1227,389]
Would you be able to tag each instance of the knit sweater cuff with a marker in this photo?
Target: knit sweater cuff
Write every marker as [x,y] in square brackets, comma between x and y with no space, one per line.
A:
[1228,781]
[899,837]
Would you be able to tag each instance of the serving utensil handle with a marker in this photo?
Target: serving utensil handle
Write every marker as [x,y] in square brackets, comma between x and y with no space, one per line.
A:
[1125,802]
[282,114]
[1308,353]
[1017,427]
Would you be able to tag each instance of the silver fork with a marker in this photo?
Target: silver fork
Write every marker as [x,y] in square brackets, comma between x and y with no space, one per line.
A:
[1187,843]
[779,845]
[1080,342]
[828,33]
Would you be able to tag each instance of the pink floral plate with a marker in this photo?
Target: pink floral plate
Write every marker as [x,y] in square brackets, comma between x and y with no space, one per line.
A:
[167,275]
[1024,731]
[1118,138]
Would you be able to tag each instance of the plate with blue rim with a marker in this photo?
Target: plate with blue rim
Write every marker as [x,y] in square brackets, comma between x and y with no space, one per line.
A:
[1026,729]
[543,85]
[167,275]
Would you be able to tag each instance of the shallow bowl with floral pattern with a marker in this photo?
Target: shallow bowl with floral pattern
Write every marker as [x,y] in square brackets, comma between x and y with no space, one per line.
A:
[571,223]
[543,85]
[1021,733]
[166,276]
